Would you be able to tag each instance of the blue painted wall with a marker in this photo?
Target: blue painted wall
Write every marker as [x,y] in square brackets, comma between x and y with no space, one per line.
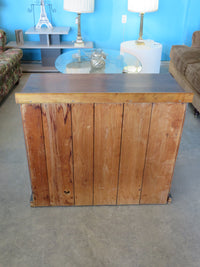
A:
[173,23]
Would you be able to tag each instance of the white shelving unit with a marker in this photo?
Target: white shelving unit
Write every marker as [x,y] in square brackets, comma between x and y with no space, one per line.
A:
[38,45]
[49,44]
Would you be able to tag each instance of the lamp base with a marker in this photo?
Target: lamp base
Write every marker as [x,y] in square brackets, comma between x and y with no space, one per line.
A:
[140,42]
[78,67]
[79,43]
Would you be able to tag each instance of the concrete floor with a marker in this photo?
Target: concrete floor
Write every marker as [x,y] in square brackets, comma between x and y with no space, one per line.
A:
[134,236]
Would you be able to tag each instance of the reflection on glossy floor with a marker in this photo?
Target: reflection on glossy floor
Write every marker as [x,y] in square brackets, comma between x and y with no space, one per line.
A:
[143,236]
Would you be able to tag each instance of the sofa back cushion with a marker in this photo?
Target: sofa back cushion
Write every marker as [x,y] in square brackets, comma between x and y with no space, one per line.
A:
[182,55]
[196,39]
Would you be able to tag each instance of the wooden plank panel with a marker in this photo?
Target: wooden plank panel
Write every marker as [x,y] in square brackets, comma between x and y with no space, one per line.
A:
[108,124]
[82,125]
[34,139]
[58,144]
[164,138]
[103,97]
[133,151]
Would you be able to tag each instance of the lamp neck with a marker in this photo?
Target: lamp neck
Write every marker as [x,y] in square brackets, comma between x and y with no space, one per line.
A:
[79,41]
[141,26]
[79,25]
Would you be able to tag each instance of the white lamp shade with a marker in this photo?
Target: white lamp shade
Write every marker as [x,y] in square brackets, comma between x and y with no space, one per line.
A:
[79,6]
[142,6]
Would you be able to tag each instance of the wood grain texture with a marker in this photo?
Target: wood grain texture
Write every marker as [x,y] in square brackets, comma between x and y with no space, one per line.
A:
[33,134]
[103,97]
[108,124]
[58,144]
[106,143]
[82,125]
[164,138]
[133,151]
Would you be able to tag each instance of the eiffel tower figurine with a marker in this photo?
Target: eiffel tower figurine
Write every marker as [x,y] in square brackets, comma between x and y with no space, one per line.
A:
[43,18]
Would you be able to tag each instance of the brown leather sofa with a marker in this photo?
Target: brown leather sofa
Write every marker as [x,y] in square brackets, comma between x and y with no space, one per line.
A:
[185,67]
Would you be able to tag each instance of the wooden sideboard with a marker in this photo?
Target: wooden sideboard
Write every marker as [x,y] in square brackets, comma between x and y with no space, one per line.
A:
[101,139]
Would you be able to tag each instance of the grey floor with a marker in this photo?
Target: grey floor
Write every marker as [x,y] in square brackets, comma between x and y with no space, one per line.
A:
[159,236]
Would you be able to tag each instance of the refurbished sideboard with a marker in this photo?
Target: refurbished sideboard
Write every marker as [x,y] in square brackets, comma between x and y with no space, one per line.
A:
[101,139]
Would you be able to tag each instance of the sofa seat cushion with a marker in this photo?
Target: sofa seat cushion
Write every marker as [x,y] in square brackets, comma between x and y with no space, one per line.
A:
[182,55]
[9,59]
[2,41]
[8,81]
[192,74]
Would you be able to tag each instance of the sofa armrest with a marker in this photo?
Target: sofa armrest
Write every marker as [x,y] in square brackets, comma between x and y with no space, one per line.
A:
[196,39]
[2,40]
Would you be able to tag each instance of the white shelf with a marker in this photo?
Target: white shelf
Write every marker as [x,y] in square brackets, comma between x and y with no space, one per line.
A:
[49,44]
[38,45]
[54,30]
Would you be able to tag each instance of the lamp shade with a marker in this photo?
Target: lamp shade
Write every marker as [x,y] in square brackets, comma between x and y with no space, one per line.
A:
[79,6]
[142,6]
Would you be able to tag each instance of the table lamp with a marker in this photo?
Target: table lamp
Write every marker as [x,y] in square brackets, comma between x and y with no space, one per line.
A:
[142,6]
[79,6]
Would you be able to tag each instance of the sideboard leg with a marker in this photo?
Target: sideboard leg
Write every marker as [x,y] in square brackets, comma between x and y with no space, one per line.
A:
[32,202]
[196,113]
[169,199]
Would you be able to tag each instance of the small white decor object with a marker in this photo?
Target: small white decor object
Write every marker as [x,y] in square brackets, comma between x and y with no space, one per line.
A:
[43,18]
